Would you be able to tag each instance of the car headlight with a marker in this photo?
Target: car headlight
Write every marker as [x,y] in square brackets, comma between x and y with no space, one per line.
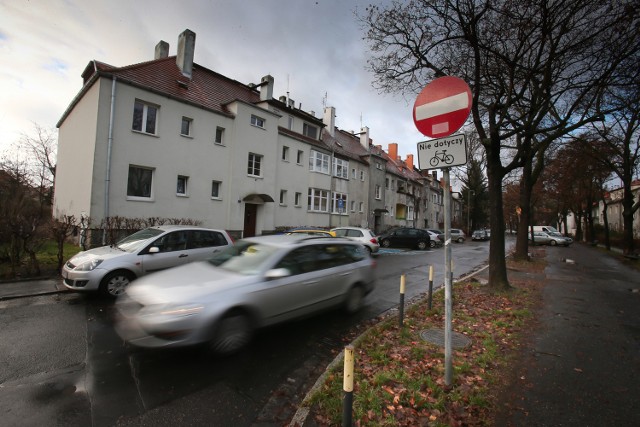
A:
[170,310]
[89,265]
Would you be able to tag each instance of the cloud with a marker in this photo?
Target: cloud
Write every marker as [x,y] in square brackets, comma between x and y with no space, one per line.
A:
[311,48]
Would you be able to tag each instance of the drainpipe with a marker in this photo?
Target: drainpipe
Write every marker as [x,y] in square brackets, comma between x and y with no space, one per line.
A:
[107,178]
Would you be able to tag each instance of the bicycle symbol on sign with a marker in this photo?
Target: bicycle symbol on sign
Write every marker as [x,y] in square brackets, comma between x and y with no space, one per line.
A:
[441,156]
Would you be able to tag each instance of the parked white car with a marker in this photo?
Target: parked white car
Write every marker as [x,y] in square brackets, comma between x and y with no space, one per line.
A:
[110,269]
[362,235]
[435,241]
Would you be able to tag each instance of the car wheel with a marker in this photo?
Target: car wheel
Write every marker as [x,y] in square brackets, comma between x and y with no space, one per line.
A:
[115,283]
[460,240]
[386,243]
[432,244]
[422,245]
[232,333]
[553,243]
[354,300]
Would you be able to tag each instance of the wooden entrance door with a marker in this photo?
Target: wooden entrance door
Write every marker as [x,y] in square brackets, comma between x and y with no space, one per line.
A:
[250,215]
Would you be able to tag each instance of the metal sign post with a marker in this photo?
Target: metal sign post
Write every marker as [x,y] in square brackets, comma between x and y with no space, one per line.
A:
[439,111]
[448,305]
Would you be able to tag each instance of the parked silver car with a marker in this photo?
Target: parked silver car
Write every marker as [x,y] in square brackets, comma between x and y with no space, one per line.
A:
[362,235]
[550,238]
[257,282]
[110,269]
[457,235]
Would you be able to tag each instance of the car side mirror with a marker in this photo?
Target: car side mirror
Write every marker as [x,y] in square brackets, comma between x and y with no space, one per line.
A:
[277,273]
[154,250]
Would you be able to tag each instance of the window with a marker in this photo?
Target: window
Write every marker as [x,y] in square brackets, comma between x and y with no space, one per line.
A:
[361,175]
[319,162]
[353,206]
[181,189]
[353,173]
[290,123]
[219,136]
[339,203]
[255,163]
[144,117]
[140,182]
[215,189]
[386,183]
[310,131]
[185,129]
[378,166]
[341,168]
[283,197]
[318,200]
[378,195]
[205,239]
[361,207]
[298,199]
[300,157]
[285,153]
[257,121]
[410,213]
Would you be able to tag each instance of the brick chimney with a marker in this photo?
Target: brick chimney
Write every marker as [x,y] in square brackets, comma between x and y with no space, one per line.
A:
[329,120]
[266,88]
[393,150]
[162,50]
[186,49]
[409,161]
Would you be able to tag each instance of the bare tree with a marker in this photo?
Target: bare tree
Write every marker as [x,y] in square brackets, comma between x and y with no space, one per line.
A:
[536,69]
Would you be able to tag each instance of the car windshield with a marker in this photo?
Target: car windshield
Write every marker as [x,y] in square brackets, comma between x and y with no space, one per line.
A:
[138,239]
[244,257]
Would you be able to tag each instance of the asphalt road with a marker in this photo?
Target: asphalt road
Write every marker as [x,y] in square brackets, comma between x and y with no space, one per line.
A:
[67,366]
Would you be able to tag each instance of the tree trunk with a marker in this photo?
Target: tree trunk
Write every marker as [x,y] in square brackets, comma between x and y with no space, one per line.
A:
[522,242]
[605,218]
[627,219]
[498,280]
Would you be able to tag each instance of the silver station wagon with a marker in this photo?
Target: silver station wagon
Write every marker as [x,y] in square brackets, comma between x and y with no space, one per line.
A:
[259,281]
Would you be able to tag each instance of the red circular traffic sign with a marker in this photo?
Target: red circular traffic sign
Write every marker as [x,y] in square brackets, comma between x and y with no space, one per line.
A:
[442,107]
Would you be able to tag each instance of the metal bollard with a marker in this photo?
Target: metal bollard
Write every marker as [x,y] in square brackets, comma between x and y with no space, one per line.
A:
[402,286]
[347,386]
[430,285]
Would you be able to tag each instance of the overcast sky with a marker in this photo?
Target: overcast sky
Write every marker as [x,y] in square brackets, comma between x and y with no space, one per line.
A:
[313,49]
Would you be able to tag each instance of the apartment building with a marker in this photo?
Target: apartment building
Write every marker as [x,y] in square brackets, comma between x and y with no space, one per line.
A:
[169,138]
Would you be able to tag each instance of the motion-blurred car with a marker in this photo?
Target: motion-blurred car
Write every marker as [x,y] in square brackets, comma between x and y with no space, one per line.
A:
[405,237]
[550,238]
[110,269]
[312,232]
[257,282]
[480,235]
[362,235]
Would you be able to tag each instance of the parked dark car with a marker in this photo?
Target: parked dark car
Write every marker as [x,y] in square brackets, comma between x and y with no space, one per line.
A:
[405,237]
[480,235]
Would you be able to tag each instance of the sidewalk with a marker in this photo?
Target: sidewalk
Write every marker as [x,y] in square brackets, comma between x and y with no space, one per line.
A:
[27,288]
[581,365]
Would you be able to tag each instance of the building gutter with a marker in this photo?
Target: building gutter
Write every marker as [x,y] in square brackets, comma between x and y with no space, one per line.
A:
[107,178]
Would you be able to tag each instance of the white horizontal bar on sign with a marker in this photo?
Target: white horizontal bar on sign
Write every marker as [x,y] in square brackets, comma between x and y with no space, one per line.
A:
[442,106]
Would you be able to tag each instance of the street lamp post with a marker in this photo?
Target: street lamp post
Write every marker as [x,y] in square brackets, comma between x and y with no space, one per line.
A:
[469,209]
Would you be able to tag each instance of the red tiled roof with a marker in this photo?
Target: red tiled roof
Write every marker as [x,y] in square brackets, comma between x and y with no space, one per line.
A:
[206,88]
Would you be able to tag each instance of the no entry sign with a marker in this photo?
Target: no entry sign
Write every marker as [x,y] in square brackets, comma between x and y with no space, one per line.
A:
[442,107]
